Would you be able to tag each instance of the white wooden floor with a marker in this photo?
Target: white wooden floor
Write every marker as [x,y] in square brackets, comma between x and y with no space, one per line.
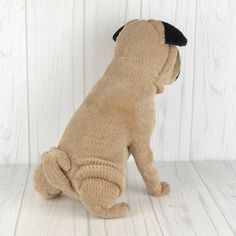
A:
[202,202]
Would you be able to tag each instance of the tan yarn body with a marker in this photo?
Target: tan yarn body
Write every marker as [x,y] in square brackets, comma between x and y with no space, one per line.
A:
[116,119]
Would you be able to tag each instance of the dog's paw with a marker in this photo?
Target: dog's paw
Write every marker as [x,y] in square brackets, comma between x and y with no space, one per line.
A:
[165,189]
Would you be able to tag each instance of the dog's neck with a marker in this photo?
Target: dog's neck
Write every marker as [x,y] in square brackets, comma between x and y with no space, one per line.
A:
[135,75]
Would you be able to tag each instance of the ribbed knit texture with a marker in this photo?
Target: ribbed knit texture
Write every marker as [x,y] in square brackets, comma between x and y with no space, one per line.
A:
[116,118]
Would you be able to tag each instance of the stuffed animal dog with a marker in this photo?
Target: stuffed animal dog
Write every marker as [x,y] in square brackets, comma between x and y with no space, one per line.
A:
[115,120]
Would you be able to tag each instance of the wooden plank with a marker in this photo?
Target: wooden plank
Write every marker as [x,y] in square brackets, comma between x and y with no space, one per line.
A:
[171,139]
[189,209]
[102,19]
[60,216]
[97,225]
[13,84]
[55,65]
[214,130]
[220,180]
[142,212]
[231,164]
[12,183]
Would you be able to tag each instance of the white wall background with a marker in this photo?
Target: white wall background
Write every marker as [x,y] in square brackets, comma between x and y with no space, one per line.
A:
[53,51]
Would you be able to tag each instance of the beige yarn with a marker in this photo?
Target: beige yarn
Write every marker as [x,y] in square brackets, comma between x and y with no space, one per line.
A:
[116,119]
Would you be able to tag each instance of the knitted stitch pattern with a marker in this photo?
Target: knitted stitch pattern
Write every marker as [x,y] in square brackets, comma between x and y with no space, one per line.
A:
[115,120]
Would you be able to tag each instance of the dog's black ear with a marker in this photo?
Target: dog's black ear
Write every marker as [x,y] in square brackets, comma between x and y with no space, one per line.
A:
[117,33]
[173,36]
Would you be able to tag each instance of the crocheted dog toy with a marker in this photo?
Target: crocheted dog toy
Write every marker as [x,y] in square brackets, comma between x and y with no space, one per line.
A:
[115,120]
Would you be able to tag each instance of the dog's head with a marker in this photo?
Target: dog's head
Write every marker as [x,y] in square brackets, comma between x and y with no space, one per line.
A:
[153,42]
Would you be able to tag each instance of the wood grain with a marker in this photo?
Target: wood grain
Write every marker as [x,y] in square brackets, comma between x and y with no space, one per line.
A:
[14,147]
[12,184]
[220,180]
[214,129]
[141,206]
[190,208]
[55,68]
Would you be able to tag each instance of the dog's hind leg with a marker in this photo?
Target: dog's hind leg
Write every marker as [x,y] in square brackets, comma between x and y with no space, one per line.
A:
[99,197]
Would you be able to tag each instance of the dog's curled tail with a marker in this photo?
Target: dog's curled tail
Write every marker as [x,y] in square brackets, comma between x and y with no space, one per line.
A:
[55,163]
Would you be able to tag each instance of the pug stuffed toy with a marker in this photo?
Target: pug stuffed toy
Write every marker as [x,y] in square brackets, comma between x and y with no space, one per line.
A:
[115,120]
